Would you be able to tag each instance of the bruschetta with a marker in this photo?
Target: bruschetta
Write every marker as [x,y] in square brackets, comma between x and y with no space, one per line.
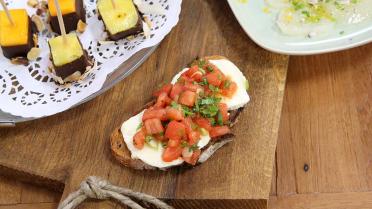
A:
[188,120]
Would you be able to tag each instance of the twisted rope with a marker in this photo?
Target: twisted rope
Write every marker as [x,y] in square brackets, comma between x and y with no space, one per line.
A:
[96,188]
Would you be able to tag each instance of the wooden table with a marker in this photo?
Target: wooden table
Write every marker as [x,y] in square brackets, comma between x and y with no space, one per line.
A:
[324,146]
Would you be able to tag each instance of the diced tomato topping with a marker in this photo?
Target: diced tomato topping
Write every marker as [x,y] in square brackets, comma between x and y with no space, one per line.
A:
[219,131]
[187,98]
[175,130]
[215,78]
[194,157]
[139,139]
[165,88]
[188,124]
[172,153]
[176,90]
[224,111]
[197,76]
[184,79]
[230,90]
[153,126]
[174,143]
[174,114]
[194,73]
[159,137]
[163,100]
[203,123]
[194,137]
[154,113]
[193,69]
[191,87]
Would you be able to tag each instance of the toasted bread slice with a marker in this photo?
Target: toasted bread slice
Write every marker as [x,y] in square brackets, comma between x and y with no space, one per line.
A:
[123,155]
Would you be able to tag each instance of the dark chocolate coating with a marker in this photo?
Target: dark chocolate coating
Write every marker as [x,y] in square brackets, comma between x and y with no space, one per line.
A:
[68,69]
[70,20]
[131,31]
[21,50]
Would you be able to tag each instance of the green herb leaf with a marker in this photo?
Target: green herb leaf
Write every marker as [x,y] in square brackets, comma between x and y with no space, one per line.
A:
[219,118]
[210,68]
[213,88]
[203,82]
[226,84]
[184,144]
[174,105]
[193,147]
[164,144]
[187,111]
[202,71]
[209,100]
[201,63]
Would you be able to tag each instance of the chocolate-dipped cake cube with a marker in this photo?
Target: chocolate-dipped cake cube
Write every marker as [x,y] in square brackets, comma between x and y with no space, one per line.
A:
[120,21]
[16,39]
[72,11]
[68,57]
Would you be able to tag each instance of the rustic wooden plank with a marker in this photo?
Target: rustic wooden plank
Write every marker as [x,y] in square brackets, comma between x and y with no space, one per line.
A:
[62,150]
[352,200]
[10,191]
[327,124]
[30,206]
[37,194]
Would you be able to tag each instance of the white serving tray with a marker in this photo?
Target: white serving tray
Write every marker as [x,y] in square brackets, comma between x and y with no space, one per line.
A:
[8,120]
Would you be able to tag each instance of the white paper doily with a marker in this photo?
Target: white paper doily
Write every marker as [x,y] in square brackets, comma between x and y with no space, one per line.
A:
[29,91]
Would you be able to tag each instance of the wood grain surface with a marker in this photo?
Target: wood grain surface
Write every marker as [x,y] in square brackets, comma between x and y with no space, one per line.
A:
[324,152]
[60,151]
[314,74]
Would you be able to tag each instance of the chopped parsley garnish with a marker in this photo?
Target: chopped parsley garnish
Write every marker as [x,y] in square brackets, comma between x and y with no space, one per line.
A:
[174,105]
[202,71]
[213,88]
[164,144]
[193,147]
[207,106]
[209,100]
[201,63]
[184,144]
[149,138]
[203,82]
[219,118]
[187,111]
[210,68]
[226,84]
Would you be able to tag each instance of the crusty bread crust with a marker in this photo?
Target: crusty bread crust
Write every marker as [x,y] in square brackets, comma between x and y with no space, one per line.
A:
[122,154]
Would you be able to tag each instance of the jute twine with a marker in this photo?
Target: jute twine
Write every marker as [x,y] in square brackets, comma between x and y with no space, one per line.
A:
[96,188]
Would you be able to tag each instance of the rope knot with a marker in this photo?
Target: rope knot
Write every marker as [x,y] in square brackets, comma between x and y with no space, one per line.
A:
[94,187]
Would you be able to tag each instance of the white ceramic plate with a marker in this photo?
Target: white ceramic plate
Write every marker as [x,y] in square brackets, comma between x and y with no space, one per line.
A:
[261,28]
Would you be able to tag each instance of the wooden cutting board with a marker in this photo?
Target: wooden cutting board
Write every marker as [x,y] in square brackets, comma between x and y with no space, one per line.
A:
[62,150]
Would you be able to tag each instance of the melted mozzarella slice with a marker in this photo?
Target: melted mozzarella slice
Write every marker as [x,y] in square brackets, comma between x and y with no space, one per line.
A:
[149,155]
[241,97]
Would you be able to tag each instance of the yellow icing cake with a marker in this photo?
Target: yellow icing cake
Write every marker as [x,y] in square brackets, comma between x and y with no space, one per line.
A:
[121,18]
[17,34]
[67,7]
[64,53]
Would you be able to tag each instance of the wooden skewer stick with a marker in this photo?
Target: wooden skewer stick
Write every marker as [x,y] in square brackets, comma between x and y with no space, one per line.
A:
[60,20]
[7,12]
[113,4]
